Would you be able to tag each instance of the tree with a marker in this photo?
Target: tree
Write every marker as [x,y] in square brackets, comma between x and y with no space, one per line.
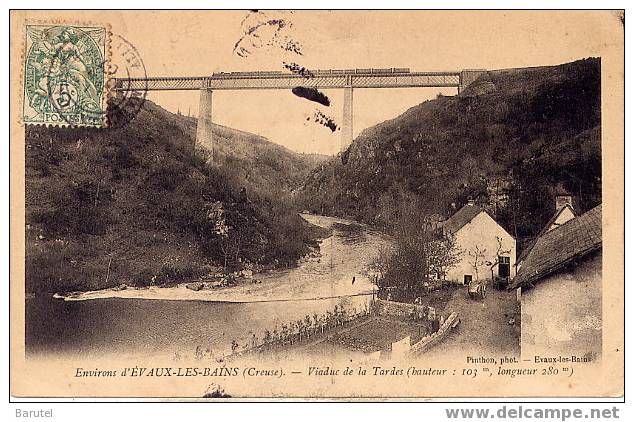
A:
[477,260]
[421,254]
[499,252]
[444,255]
[379,267]
[216,215]
[307,325]
[266,339]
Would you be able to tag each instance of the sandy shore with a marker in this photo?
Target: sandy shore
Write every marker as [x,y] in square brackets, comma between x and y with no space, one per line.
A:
[231,294]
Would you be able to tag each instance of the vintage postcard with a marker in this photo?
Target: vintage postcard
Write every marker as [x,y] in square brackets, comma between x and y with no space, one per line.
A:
[317,205]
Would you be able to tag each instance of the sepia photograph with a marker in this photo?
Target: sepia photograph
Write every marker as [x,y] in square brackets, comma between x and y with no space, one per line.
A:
[317,204]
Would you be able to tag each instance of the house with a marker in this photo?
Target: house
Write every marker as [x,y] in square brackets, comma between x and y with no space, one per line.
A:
[488,251]
[563,212]
[559,287]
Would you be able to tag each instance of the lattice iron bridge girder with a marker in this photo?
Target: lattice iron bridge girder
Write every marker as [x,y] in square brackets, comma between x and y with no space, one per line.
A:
[260,80]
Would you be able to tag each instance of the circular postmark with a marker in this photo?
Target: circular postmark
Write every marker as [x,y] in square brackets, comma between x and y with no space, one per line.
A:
[72,81]
[126,84]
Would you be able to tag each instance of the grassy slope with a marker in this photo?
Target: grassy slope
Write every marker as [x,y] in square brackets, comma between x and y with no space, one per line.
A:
[134,203]
[254,160]
[540,127]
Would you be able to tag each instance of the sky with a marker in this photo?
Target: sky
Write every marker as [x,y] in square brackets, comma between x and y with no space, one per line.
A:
[195,43]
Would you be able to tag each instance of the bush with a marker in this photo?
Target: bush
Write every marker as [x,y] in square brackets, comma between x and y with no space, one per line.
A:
[76,208]
[175,272]
[143,278]
[73,219]
[124,158]
[167,175]
[62,268]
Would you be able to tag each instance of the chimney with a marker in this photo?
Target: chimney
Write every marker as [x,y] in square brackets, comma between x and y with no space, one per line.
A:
[562,200]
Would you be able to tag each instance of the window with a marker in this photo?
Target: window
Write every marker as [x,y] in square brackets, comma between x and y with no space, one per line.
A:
[468,278]
[504,266]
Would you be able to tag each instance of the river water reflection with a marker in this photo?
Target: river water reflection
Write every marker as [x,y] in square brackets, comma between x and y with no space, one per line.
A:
[126,324]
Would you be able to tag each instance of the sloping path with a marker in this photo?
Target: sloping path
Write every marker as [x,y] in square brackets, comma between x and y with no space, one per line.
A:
[484,324]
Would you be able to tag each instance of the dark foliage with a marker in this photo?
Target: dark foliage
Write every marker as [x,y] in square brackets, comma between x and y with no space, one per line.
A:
[539,128]
[139,198]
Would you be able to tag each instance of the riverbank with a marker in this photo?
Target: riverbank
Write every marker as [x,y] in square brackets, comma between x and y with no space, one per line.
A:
[181,292]
[165,321]
[326,273]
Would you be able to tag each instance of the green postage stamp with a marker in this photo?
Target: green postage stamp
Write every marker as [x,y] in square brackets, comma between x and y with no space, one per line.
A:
[64,75]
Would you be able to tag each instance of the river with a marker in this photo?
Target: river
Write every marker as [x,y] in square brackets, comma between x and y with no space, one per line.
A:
[163,321]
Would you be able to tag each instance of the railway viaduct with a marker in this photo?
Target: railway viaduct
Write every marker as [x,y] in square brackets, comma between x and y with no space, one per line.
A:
[347,80]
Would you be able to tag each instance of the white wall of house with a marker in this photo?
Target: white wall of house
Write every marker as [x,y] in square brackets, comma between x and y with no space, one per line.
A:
[482,232]
[562,313]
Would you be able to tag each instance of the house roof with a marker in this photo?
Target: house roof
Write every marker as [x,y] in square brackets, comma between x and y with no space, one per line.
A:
[463,216]
[560,246]
[552,220]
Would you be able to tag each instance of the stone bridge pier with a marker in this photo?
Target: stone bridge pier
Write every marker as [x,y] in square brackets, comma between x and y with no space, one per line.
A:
[346,121]
[204,134]
[469,76]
